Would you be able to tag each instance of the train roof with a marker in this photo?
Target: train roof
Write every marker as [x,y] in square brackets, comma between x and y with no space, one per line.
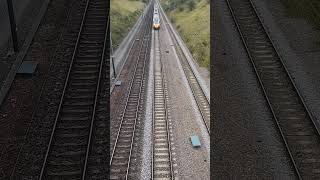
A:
[156,18]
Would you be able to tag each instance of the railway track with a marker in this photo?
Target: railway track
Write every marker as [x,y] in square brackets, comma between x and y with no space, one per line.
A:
[75,149]
[161,155]
[123,146]
[200,98]
[298,130]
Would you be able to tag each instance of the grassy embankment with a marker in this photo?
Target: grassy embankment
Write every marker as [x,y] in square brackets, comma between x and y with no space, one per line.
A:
[192,19]
[124,14]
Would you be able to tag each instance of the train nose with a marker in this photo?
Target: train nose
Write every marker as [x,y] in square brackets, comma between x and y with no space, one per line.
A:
[156,26]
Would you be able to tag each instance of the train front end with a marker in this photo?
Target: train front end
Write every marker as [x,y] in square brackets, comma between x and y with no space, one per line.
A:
[156,26]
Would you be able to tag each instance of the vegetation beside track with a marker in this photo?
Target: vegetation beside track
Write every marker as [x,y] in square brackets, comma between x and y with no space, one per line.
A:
[192,19]
[308,9]
[124,14]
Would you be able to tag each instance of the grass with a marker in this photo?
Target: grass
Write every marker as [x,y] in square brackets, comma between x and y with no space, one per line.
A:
[124,14]
[194,28]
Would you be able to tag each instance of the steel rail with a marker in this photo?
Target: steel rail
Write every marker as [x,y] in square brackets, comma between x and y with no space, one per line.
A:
[152,116]
[64,90]
[265,93]
[179,51]
[95,100]
[127,100]
[130,87]
[157,47]
[301,100]
[152,112]
[88,36]
[316,125]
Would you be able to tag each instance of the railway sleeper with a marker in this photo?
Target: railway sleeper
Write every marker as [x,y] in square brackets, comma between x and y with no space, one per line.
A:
[69,153]
[64,173]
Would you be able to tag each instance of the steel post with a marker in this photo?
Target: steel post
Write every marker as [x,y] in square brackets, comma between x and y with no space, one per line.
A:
[13,26]
[112,58]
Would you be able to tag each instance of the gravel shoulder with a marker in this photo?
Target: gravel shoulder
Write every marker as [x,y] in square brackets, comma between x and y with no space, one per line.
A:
[22,100]
[147,129]
[297,42]
[245,143]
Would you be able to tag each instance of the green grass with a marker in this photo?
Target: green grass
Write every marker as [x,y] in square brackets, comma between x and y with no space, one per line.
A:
[124,14]
[193,26]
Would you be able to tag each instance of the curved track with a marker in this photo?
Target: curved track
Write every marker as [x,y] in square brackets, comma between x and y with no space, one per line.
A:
[71,145]
[161,154]
[123,146]
[298,130]
[202,102]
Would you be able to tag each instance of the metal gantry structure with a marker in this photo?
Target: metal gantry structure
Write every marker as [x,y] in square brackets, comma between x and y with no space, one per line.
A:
[13,26]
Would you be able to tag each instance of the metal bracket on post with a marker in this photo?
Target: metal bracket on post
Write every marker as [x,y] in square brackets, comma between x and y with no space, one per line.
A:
[13,26]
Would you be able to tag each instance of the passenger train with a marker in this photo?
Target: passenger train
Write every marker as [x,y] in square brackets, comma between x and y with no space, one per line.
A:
[156,18]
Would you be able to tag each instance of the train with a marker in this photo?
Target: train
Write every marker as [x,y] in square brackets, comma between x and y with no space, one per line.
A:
[156,18]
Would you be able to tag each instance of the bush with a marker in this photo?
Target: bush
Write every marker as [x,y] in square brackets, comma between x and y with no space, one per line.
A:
[191,5]
[180,5]
[121,25]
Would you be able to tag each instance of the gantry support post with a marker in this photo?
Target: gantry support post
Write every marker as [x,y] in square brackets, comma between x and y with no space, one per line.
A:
[13,25]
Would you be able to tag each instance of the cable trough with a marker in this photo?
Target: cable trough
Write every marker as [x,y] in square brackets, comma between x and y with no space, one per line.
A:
[296,125]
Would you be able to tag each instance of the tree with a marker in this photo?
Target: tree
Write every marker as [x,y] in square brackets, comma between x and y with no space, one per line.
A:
[191,4]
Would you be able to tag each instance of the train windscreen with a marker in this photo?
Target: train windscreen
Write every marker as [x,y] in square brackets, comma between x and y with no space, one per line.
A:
[156,20]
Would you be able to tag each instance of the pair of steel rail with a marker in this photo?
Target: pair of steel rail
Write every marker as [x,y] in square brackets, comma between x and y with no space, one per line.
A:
[123,146]
[69,151]
[162,166]
[298,129]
